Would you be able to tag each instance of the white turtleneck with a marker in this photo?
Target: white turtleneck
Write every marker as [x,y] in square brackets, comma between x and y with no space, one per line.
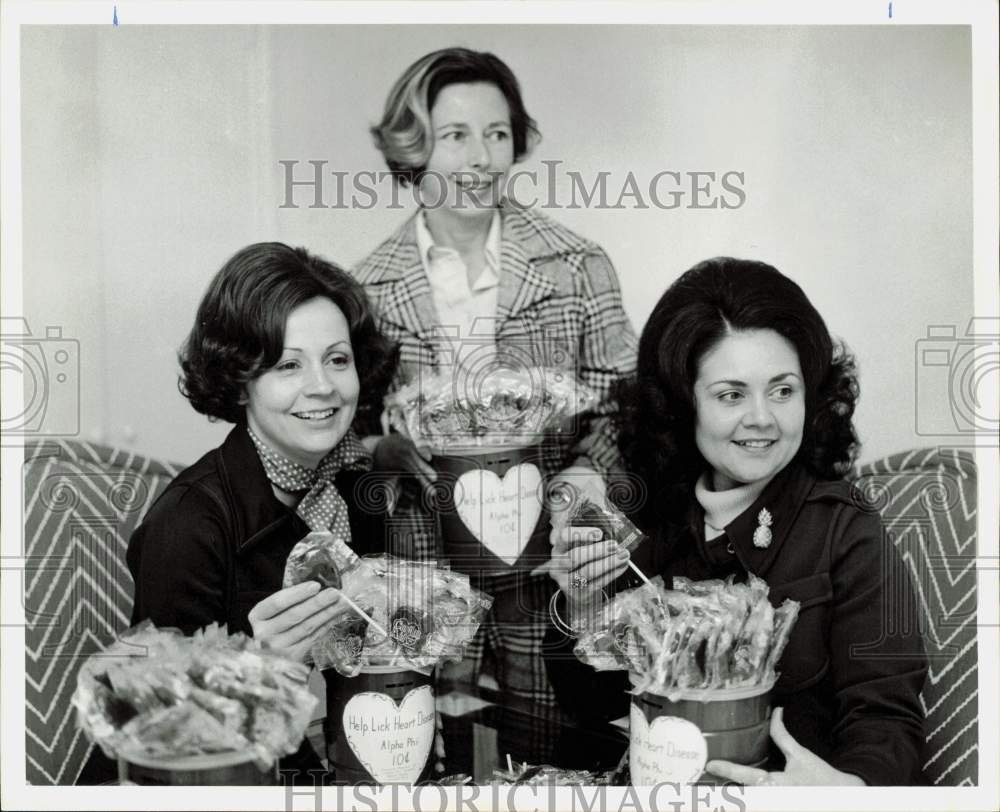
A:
[721,507]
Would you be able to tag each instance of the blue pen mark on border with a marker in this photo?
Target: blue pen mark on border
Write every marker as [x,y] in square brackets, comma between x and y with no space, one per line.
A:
[114,19]
[890,11]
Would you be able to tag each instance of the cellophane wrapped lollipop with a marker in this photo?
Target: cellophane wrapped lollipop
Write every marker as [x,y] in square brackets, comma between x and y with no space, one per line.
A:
[413,614]
[456,611]
[432,613]
[320,557]
[512,407]
[616,639]
[754,639]
[410,593]
[585,510]
[157,693]
[700,636]
[329,560]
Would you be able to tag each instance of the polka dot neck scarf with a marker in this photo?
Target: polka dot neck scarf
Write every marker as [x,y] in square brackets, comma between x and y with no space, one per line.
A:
[322,507]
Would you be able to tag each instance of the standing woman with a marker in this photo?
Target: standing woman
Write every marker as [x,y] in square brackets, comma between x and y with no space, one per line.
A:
[470,272]
[739,423]
[284,346]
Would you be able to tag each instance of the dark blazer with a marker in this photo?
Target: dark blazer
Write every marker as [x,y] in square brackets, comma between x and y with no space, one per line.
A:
[214,544]
[851,675]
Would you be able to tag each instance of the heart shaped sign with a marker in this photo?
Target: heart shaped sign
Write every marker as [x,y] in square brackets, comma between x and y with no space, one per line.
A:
[391,741]
[670,749]
[500,513]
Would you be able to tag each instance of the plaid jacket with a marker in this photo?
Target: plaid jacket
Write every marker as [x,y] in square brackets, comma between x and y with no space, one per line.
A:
[558,305]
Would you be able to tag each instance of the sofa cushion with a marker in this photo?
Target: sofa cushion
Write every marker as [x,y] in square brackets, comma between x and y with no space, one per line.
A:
[927,499]
[81,504]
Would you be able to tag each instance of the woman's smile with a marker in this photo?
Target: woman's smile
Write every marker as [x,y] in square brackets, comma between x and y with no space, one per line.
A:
[474,185]
[316,416]
[755,445]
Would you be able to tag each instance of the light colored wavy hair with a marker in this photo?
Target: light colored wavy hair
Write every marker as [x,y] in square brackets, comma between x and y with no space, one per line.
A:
[404,135]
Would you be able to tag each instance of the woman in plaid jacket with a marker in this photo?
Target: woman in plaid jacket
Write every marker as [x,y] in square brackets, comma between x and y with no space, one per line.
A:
[472,274]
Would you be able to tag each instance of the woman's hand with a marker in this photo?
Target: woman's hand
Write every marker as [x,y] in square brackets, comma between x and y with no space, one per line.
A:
[564,489]
[291,620]
[802,767]
[582,565]
[397,456]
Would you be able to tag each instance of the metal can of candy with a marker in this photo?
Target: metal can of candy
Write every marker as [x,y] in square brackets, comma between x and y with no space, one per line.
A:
[492,510]
[236,769]
[672,739]
[380,725]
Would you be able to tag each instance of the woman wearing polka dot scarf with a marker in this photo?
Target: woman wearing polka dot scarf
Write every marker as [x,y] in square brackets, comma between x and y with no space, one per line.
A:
[284,346]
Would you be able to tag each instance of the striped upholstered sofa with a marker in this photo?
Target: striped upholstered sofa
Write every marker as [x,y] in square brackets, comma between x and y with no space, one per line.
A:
[82,502]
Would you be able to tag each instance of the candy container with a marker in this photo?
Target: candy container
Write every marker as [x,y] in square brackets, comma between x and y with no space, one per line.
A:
[702,669]
[485,432]
[156,694]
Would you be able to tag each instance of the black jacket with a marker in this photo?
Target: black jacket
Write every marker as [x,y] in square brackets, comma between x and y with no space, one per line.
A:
[214,544]
[851,675]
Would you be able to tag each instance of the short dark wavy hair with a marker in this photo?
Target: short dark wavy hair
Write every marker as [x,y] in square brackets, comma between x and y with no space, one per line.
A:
[404,135]
[712,299]
[239,329]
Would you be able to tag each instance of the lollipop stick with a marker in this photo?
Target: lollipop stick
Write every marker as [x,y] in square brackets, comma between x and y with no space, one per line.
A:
[638,571]
[658,599]
[363,614]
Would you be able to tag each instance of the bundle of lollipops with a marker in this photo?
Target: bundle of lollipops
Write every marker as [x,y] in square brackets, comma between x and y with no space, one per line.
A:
[505,406]
[155,693]
[699,636]
[396,612]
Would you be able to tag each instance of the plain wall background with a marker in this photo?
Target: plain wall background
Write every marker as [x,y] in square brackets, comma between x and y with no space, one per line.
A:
[150,154]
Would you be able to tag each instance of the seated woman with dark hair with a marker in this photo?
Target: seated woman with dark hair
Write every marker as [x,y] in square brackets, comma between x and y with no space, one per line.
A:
[738,423]
[284,346]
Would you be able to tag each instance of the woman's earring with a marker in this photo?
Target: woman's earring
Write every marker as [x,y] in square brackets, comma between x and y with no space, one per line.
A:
[762,535]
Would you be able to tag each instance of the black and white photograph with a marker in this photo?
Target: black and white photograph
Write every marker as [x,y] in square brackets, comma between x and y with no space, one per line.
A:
[500,405]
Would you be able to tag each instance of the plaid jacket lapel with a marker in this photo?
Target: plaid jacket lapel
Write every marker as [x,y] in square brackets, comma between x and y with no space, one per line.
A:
[394,276]
[405,299]
[521,283]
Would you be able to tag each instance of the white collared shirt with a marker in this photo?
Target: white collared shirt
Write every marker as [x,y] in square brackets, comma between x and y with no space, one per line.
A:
[467,313]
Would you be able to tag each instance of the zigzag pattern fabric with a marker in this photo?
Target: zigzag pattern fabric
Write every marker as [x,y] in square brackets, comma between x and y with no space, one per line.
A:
[82,503]
[927,499]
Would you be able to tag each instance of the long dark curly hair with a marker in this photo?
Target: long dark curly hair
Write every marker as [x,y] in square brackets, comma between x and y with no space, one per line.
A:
[657,415]
[239,329]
